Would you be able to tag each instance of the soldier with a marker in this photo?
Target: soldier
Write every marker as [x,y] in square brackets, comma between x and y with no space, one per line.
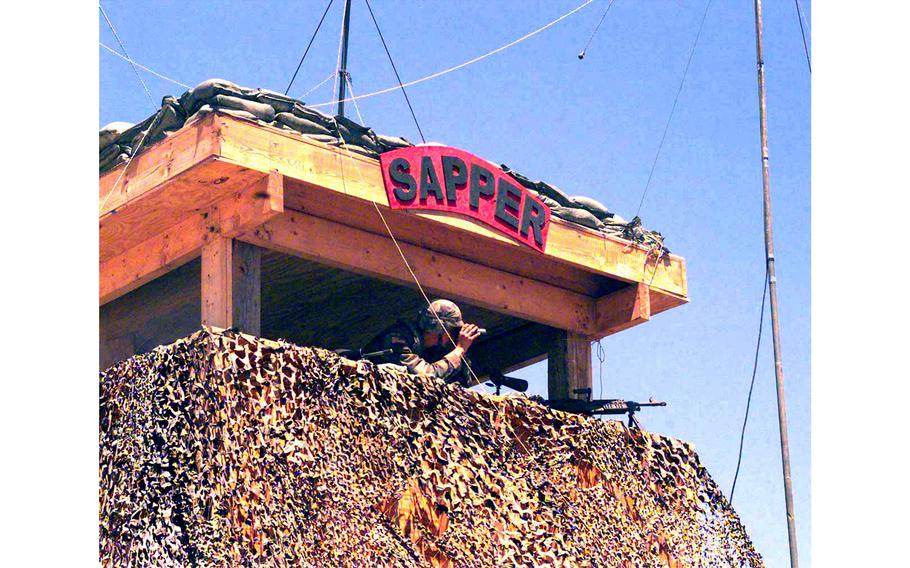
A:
[425,348]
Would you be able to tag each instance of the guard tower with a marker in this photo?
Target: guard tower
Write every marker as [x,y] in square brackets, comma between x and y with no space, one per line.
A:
[228,223]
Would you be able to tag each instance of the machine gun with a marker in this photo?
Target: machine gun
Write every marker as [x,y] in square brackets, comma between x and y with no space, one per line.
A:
[598,407]
[358,354]
[498,380]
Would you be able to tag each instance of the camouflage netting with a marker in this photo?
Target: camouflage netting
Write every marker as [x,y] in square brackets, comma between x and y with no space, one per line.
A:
[227,450]
[119,139]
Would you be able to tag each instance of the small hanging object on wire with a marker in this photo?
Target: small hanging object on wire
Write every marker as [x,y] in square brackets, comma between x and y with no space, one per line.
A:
[581,55]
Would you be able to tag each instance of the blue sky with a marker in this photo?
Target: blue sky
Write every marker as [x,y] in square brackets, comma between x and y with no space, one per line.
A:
[591,127]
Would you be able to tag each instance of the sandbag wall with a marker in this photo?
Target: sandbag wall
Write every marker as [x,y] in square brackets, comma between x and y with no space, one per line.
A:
[119,140]
[228,450]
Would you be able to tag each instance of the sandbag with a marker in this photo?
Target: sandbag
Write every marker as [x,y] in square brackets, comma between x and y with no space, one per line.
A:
[114,159]
[301,125]
[109,133]
[591,205]
[387,143]
[357,134]
[206,91]
[554,193]
[577,215]
[259,110]
[314,115]
[277,101]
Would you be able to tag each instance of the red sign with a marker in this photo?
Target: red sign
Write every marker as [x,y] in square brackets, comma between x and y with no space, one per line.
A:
[439,178]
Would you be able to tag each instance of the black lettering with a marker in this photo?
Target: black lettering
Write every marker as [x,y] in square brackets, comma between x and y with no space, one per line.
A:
[398,171]
[507,195]
[533,216]
[454,173]
[429,181]
[478,172]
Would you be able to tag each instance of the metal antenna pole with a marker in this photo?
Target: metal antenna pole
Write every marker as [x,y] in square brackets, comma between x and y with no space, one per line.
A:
[343,68]
[772,282]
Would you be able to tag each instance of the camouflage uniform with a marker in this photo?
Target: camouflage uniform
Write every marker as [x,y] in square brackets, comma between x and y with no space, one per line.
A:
[405,339]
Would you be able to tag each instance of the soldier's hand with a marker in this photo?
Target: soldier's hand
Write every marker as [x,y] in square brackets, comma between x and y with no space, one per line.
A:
[469,332]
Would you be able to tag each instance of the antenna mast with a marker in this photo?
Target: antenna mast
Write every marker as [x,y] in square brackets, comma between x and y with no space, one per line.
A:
[772,282]
[343,67]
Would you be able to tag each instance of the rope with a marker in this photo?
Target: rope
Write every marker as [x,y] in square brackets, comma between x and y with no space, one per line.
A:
[466,63]
[129,161]
[323,82]
[123,48]
[742,435]
[356,106]
[146,69]
[601,355]
[307,50]
[802,31]
[395,69]
[673,109]
[597,27]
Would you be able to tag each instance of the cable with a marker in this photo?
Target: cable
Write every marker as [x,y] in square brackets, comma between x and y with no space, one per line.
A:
[395,69]
[673,109]
[597,27]
[321,83]
[135,152]
[799,13]
[356,106]
[742,435]
[466,63]
[307,50]
[146,69]
[123,48]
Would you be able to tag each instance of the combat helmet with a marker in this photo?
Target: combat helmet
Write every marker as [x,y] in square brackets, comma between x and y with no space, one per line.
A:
[445,311]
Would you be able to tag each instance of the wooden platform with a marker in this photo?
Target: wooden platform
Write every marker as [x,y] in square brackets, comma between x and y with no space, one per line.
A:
[270,211]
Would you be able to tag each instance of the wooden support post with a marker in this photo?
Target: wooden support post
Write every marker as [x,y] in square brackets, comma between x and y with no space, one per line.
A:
[231,285]
[568,365]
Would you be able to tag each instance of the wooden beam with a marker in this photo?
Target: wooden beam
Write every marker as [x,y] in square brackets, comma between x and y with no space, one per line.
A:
[333,169]
[359,251]
[568,365]
[159,163]
[231,283]
[217,269]
[246,284]
[234,213]
[178,198]
[622,309]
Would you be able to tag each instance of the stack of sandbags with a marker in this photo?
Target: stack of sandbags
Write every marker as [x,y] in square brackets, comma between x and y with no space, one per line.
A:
[228,450]
[259,105]
[119,141]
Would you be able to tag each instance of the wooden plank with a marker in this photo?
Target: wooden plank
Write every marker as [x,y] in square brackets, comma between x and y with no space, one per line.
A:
[162,206]
[217,266]
[622,309]
[526,345]
[463,237]
[237,211]
[231,285]
[319,165]
[246,287]
[568,366]
[363,252]
[159,163]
